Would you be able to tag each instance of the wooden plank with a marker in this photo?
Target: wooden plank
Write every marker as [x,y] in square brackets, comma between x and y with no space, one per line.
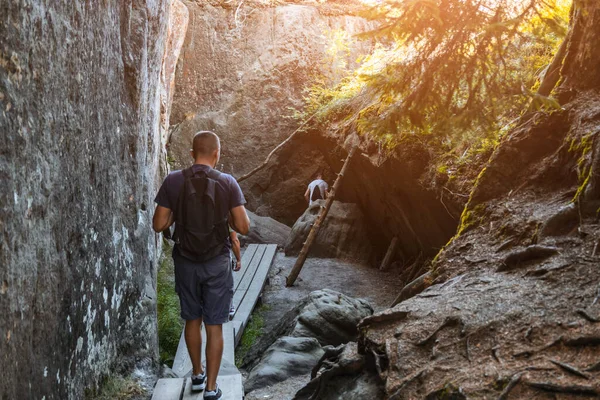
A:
[182,366]
[243,286]
[237,332]
[247,279]
[169,389]
[246,259]
[230,385]
[249,301]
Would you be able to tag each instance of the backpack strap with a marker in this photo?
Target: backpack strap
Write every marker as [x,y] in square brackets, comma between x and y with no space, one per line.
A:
[188,173]
[214,174]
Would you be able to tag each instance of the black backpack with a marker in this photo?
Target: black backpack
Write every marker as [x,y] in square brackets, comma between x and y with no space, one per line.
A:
[200,234]
[316,194]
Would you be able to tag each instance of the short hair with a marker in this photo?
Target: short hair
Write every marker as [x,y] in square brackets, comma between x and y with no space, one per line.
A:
[205,143]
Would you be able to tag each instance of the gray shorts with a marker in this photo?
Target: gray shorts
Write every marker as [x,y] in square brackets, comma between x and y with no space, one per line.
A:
[205,289]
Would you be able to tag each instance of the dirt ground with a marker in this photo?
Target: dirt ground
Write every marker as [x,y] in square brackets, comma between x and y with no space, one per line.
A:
[352,279]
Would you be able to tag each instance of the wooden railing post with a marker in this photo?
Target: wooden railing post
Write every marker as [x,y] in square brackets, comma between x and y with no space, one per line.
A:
[317,225]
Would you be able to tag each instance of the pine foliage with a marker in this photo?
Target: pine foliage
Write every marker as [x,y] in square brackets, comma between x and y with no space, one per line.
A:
[454,72]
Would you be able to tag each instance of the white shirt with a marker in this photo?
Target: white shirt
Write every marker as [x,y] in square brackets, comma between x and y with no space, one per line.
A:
[311,187]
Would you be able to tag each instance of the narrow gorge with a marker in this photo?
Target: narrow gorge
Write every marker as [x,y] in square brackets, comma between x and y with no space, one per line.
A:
[476,171]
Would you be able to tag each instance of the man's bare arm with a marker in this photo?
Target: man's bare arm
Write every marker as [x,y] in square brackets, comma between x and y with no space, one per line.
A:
[306,195]
[163,218]
[239,220]
[237,251]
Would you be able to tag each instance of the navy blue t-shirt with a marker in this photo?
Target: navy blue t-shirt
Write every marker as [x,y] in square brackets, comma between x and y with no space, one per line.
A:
[227,188]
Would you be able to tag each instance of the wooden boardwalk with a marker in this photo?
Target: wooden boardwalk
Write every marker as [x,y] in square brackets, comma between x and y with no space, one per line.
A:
[248,284]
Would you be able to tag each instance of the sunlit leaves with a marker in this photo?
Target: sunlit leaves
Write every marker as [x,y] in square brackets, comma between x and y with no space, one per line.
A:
[451,70]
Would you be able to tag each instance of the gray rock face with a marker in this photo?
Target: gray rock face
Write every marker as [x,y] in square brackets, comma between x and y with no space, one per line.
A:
[79,157]
[286,358]
[343,235]
[341,374]
[242,71]
[331,317]
[265,230]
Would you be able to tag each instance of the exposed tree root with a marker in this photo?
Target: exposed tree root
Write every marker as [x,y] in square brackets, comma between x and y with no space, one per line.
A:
[594,367]
[530,253]
[530,352]
[516,378]
[450,321]
[397,395]
[414,288]
[570,369]
[386,316]
[583,341]
[587,316]
[572,389]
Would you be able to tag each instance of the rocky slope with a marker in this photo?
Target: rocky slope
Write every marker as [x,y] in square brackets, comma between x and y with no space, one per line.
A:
[511,306]
[243,70]
[80,150]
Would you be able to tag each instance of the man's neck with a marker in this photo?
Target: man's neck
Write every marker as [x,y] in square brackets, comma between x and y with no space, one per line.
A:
[203,162]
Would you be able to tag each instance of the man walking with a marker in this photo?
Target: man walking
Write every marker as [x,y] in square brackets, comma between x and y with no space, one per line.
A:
[316,190]
[203,203]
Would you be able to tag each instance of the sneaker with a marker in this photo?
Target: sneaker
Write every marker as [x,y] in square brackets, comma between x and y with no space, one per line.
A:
[213,395]
[231,312]
[198,382]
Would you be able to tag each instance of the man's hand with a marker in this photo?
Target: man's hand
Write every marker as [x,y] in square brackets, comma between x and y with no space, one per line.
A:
[238,265]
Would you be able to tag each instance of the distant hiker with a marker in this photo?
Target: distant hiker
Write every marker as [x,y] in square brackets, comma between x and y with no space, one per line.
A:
[236,264]
[317,189]
[202,202]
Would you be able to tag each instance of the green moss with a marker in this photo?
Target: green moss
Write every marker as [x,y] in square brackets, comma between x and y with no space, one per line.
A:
[170,323]
[582,186]
[117,388]
[584,147]
[171,160]
[471,218]
[252,332]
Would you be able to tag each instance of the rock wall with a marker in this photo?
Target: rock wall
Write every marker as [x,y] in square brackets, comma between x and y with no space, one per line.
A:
[79,155]
[179,17]
[243,69]
[392,192]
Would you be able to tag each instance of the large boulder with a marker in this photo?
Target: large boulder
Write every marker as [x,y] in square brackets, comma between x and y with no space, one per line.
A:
[286,358]
[343,234]
[326,315]
[331,317]
[265,230]
[341,374]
